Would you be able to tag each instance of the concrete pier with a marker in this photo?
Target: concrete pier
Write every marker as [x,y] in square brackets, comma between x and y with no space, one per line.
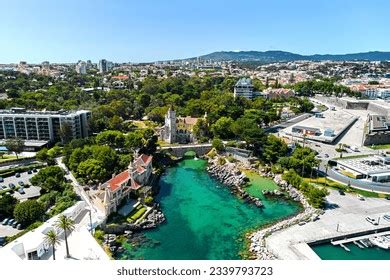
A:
[345,216]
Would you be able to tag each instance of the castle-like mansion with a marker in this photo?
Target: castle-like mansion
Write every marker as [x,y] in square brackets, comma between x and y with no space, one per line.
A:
[111,194]
[178,129]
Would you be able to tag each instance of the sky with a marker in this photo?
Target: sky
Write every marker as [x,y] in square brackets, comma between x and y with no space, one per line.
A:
[151,30]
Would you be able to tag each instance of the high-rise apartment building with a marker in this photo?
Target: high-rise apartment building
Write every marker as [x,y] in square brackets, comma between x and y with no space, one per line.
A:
[43,125]
[103,66]
[244,88]
[81,67]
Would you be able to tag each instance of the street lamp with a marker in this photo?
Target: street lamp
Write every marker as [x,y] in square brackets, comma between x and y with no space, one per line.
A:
[90,219]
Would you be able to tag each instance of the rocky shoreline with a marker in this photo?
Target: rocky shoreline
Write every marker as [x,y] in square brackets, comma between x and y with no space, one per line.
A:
[131,233]
[258,246]
[229,175]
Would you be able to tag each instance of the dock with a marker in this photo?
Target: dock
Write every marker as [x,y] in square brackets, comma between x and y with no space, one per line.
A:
[358,238]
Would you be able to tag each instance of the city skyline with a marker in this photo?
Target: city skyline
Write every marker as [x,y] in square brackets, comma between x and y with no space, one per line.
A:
[142,32]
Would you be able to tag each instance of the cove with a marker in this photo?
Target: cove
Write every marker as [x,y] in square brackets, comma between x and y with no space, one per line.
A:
[204,220]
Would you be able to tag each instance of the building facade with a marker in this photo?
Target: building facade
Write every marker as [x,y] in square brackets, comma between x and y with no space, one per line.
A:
[178,129]
[81,67]
[278,93]
[42,125]
[244,88]
[374,93]
[103,67]
[116,190]
[378,130]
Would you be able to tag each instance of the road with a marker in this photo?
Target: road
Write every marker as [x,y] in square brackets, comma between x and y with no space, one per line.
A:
[97,215]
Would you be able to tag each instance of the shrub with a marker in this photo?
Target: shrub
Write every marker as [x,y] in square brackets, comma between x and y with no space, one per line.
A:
[28,212]
[221,161]
[218,145]
[148,200]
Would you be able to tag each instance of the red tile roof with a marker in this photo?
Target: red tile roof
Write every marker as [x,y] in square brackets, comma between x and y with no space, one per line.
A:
[146,159]
[140,169]
[114,183]
[135,185]
[120,77]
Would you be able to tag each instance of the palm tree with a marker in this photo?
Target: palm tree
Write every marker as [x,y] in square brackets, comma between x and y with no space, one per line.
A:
[53,239]
[67,225]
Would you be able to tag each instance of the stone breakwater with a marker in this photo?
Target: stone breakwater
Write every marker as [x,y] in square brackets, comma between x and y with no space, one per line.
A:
[229,175]
[258,246]
[154,218]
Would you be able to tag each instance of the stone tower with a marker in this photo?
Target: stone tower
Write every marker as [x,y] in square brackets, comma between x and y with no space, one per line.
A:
[170,126]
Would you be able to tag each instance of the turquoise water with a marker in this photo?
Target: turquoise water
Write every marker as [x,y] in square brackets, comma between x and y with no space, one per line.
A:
[204,220]
[329,252]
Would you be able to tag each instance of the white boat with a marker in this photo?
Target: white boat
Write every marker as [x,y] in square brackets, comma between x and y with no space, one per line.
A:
[380,242]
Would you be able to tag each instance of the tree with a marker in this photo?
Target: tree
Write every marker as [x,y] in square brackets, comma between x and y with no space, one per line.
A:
[134,140]
[66,132]
[201,129]
[222,128]
[2,153]
[92,170]
[7,205]
[274,149]
[249,131]
[112,138]
[28,212]
[218,145]
[151,146]
[15,145]
[67,225]
[50,178]
[52,239]
[42,155]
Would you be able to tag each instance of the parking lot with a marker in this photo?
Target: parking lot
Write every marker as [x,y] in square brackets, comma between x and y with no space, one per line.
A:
[30,192]
[8,230]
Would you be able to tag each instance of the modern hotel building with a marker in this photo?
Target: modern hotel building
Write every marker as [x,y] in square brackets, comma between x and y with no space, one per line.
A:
[42,125]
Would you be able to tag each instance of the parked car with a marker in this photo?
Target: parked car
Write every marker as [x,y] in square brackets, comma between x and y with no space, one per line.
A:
[361,197]
[21,191]
[3,187]
[372,221]
[5,221]
[11,185]
[35,170]
[386,217]
[341,192]
[17,175]
[21,183]
[2,240]
[1,179]
[29,171]
[326,155]
[14,224]
[19,226]
[10,221]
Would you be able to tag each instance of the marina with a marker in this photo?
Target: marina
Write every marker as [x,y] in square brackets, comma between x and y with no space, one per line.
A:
[328,251]
[342,223]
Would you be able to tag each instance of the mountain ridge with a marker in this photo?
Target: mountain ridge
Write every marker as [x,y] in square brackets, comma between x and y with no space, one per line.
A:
[281,56]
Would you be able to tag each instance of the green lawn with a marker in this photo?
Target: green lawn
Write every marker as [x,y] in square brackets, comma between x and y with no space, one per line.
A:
[323,182]
[136,213]
[380,147]
[5,158]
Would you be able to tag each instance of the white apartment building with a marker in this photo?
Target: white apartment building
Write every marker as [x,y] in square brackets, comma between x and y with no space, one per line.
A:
[81,67]
[244,88]
[42,125]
